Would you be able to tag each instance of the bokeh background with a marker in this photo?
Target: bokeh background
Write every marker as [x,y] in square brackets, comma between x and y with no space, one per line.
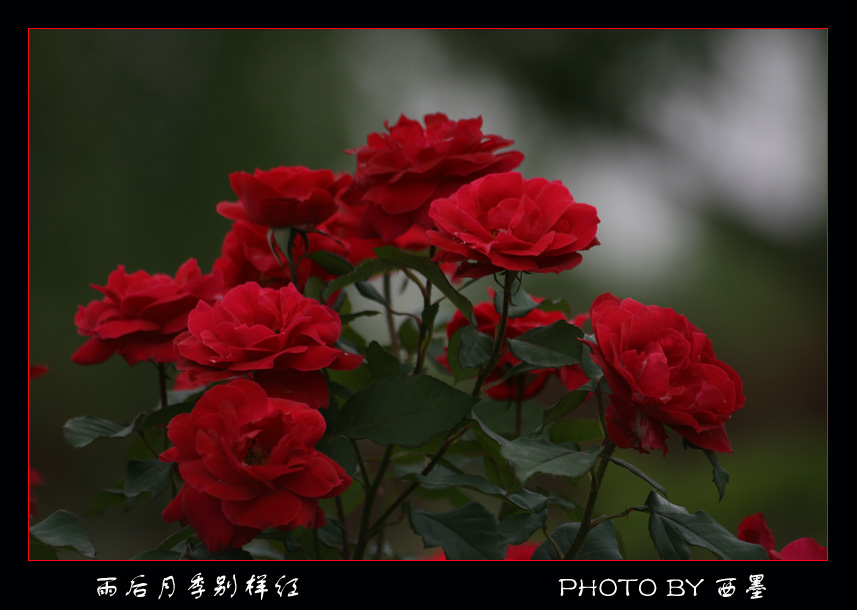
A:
[705,153]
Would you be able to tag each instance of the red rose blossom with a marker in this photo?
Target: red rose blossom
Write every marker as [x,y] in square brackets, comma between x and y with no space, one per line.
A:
[755,529]
[505,222]
[487,318]
[401,172]
[261,329]
[141,314]
[662,371]
[286,196]
[249,463]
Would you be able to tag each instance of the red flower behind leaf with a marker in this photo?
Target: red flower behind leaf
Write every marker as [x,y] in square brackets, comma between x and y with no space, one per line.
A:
[663,372]
[249,463]
[401,172]
[527,384]
[755,529]
[141,314]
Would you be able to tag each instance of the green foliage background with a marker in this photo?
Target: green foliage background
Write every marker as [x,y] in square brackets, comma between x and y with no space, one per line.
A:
[132,136]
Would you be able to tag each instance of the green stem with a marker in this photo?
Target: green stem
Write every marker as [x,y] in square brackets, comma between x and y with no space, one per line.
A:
[340,511]
[379,523]
[587,523]
[499,334]
[391,323]
[425,332]
[316,543]
[162,383]
[365,532]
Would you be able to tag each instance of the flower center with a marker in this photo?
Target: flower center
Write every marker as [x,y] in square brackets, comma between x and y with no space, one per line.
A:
[257,455]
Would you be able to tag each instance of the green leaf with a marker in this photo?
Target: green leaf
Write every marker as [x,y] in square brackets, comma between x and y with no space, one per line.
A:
[721,477]
[177,538]
[64,530]
[639,473]
[346,318]
[568,403]
[80,431]
[409,334]
[405,411]
[330,533]
[600,543]
[341,451]
[528,500]
[146,476]
[475,349]
[106,498]
[469,532]
[520,305]
[362,272]
[431,272]
[37,550]
[517,529]
[449,479]
[459,373]
[162,417]
[381,364]
[314,289]
[331,262]
[369,291]
[549,346]
[672,529]
[530,457]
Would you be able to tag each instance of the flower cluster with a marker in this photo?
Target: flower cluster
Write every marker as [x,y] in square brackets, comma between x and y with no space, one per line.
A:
[401,172]
[262,341]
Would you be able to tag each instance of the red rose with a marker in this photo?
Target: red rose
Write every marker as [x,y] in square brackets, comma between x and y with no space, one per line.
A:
[662,371]
[249,463]
[141,314]
[261,329]
[401,172]
[504,222]
[344,227]
[286,196]
[246,257]
[487,318]
[755,529]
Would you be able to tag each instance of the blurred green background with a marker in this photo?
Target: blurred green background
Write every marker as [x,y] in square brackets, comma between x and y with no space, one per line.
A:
[705,153]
